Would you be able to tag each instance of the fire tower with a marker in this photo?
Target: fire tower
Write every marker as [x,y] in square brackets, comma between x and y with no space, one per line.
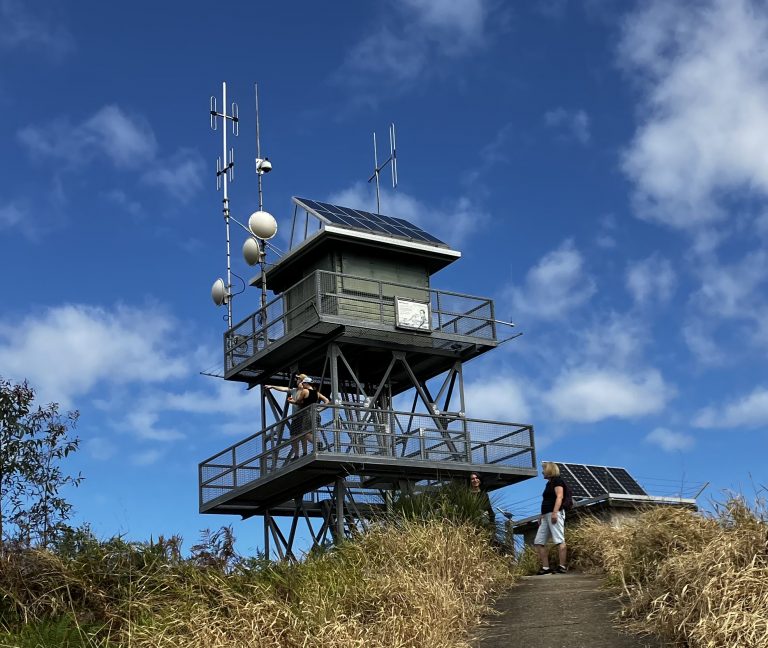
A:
[354,308]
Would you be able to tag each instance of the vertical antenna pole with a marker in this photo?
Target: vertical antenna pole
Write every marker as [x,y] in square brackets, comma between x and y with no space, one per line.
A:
[226,205]
[376,173]
[263,255]
[225,168]
[258,143]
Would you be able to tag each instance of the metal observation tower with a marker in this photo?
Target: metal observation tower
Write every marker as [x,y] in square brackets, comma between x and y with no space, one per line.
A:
[353,307]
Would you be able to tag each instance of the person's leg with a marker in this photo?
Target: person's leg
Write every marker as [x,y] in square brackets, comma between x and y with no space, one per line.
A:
[558,537]
[543,555]
[540,545]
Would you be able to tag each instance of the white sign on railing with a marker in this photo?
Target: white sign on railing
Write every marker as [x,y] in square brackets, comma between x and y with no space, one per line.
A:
[412,315]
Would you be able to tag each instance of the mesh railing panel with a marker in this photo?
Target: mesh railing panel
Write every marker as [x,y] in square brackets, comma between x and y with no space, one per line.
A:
[357,433]
[357,299]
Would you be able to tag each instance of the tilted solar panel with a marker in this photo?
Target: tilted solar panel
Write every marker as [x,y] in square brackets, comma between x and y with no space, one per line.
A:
[594,481]
[627,481]
[577,490]
[363,221]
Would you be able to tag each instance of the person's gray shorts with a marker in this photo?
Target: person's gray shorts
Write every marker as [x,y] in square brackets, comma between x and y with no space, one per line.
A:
[548,529]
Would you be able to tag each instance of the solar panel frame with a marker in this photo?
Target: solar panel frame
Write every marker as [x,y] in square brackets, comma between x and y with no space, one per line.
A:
[360,220]
[589,481]
[628,482]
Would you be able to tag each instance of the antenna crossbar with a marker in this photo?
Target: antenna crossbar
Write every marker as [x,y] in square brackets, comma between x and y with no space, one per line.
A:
[391,160]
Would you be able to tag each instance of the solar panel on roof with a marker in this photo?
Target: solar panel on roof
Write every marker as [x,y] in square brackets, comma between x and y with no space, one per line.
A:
[595,481]
[626,480]
[359,220]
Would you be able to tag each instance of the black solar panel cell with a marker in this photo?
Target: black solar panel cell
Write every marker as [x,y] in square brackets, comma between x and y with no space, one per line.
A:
[593,486]
[607,480]
[577,490]
[360,220]
[626,480]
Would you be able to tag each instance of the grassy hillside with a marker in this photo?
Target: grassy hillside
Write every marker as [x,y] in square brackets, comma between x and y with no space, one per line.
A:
[408,582]
[694,580]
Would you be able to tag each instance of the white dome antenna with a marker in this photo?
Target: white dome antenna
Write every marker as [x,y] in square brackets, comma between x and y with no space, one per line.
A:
[219,293]
[251,251]
[262,225]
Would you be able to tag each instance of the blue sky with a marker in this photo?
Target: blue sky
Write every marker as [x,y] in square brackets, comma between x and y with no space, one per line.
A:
[601,166]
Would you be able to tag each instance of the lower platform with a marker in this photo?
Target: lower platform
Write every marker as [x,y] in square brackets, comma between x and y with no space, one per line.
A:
[380,449]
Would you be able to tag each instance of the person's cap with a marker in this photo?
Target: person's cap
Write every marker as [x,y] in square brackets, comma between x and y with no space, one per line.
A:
[307,379]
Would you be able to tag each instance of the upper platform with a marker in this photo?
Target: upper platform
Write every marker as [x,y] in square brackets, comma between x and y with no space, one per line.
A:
[374,315]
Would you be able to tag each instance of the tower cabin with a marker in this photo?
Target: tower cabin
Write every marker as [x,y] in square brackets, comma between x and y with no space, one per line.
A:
[354,309]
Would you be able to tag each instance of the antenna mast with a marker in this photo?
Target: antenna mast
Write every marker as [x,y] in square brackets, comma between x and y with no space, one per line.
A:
[225,173]
[263,165]
[378,169]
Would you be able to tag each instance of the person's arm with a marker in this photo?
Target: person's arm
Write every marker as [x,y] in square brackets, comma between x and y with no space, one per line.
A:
[558,502]
[323,399]
[280,389]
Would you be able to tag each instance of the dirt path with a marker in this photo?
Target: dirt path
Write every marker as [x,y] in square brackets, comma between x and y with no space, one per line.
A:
[558,611]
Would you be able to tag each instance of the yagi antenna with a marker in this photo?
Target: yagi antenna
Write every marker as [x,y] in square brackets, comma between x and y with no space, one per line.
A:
[225,172]
[391,160]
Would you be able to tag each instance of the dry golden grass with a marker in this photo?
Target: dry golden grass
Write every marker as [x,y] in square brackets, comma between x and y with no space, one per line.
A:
[695,581]
[404,584]
[413,584]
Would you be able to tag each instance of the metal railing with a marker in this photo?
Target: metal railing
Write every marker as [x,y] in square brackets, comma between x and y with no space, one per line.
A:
[352,433]
[361,300]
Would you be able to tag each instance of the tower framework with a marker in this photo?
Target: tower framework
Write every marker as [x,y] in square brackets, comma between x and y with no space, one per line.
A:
[354,308]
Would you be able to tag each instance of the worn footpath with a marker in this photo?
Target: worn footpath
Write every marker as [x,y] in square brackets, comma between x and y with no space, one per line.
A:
[557,611]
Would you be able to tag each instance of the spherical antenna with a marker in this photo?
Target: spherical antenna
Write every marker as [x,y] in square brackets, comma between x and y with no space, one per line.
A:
[251,251]
[218,292]
[262,225]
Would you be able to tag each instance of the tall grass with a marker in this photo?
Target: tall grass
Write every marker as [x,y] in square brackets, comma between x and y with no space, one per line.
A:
[694,580]
[407,582]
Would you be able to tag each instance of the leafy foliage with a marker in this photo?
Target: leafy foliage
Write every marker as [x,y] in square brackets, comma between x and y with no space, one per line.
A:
[33,442]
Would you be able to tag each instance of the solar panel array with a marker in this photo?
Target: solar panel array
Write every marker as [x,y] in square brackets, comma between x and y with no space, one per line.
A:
[363,221]
[593,481]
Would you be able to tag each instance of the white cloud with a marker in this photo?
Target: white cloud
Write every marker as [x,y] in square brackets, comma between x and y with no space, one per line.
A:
[733,291]
[67,351]
[573,122]
[749,411]
[225,398]
[127,141]
[557,284]
[729,305]
[100,448]
[704,69]
[19,28]
[181,175]
[698,335]
[651,279]
[670,441]
[416,36]
[119,198]
[452,222]
[11,215]
[587,395]
[146,458]
[613,340]
[499,399]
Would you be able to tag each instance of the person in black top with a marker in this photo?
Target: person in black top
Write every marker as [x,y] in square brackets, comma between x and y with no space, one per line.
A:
[304,396]
[552,520]
[475,486]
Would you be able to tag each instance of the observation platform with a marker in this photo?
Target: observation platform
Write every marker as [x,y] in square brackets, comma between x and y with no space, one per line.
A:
[362,313]
[378,448]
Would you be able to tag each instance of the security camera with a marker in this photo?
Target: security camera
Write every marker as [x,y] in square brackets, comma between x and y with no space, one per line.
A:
[263,166]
